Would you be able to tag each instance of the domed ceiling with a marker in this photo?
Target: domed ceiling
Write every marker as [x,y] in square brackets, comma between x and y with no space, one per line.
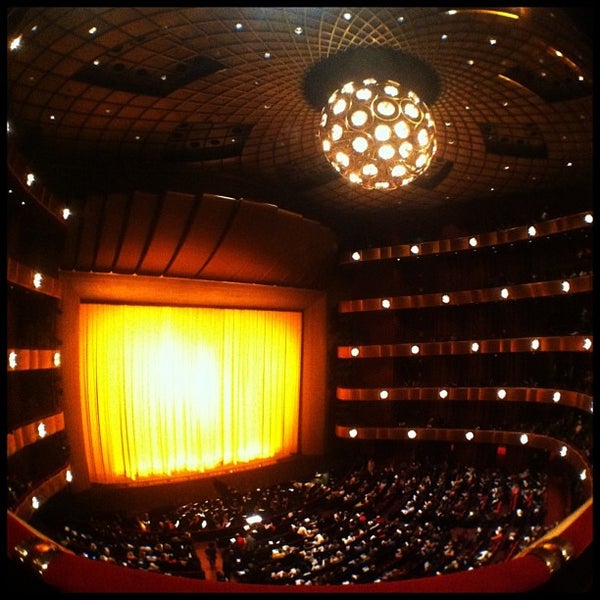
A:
[226,101]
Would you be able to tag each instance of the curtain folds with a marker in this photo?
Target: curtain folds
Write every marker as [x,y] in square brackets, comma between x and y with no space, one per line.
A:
[170,391]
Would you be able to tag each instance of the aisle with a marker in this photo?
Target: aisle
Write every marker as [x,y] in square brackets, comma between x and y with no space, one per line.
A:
[200,549]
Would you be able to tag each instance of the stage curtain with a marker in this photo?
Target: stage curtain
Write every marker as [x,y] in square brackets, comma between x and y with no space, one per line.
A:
[169,391]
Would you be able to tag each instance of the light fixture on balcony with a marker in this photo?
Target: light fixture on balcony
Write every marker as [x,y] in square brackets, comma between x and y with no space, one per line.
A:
[377,134]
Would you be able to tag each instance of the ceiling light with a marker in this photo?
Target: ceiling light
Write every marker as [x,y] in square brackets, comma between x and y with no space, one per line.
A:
[377,134]
[15,43]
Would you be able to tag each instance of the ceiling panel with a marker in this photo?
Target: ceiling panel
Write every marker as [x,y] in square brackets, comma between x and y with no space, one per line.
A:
[521,77]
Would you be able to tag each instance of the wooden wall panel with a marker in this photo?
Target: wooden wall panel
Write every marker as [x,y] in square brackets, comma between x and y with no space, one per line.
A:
[138,230]
[114,218]
[210,237]
[272,246]
[244,251]
[87,233]
[174,212]
[206,229]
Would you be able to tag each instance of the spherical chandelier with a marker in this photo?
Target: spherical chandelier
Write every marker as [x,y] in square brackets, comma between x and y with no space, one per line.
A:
[378,135]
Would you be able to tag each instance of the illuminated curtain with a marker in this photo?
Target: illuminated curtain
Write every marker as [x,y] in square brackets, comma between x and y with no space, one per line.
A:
[169,391]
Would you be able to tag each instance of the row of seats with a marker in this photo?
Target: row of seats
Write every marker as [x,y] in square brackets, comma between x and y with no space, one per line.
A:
[368,522]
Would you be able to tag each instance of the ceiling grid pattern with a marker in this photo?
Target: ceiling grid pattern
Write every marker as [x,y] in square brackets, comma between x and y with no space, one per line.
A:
[528,80]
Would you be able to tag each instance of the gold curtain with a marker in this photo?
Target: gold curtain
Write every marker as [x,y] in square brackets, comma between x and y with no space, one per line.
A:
[168,391]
